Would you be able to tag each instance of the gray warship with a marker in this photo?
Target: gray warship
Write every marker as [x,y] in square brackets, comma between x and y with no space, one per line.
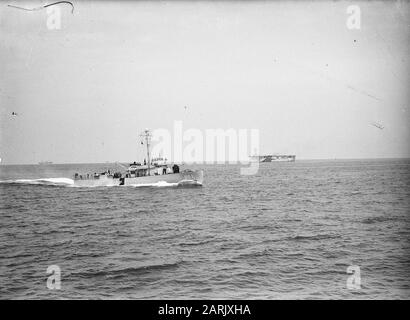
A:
[155,171]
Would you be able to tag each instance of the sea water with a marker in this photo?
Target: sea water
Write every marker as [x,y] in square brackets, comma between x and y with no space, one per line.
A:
[290,231]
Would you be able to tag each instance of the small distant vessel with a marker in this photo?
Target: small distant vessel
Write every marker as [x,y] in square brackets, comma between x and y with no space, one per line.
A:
[44,163]
[153,171]
[274,158]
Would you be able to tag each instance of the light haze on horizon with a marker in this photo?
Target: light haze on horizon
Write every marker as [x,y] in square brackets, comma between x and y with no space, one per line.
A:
[293,70]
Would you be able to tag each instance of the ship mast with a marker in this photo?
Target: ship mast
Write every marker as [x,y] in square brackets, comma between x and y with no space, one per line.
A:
[147,135]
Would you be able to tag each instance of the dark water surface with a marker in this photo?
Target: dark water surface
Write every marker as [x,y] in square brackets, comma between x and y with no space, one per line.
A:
[288,232]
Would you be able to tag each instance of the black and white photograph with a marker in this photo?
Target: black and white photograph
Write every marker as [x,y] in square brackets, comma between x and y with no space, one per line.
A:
[203,151]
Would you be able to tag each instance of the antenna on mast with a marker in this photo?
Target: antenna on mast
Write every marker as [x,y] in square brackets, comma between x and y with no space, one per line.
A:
[147,136]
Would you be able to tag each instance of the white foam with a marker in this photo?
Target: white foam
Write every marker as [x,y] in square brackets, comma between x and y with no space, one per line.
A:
[167,184]
[44,181]
[189,183]
[156,184]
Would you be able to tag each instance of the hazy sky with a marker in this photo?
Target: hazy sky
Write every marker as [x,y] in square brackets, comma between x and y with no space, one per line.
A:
[293,70]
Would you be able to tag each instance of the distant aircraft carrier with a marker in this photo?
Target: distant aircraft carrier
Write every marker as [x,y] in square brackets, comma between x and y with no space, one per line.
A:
[44,163]
[274,158]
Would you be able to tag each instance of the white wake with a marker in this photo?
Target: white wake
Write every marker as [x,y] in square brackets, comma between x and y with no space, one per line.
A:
[156,184]
[42,181]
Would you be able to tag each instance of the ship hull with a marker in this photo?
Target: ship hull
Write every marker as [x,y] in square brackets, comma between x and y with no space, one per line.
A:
[184,178]
[187,177]
[274,158]
[103,181]
[44,163]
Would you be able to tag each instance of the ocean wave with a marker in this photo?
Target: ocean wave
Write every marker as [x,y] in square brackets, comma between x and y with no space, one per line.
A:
[41,181]
[193,243]
[376,219]
[314,237]
[255,254]
[128,271]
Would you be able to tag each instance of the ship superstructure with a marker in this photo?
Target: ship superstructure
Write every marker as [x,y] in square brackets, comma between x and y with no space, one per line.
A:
[274,158]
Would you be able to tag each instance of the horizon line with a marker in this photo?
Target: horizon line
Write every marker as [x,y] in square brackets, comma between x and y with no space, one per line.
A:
[209,162]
